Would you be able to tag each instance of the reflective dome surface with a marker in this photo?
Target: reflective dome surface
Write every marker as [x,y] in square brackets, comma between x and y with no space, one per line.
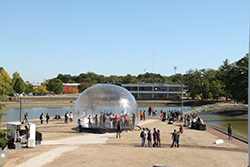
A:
[104,105]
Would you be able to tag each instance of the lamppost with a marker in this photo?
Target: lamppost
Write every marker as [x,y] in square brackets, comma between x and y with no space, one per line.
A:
[182,98]
[21,95]
[175,67]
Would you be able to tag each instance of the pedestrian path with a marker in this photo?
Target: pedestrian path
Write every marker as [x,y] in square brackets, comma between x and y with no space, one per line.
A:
[69,144]
[45,158]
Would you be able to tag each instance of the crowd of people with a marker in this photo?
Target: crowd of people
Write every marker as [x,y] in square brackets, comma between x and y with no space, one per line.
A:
[108,118]
[154,138]
[68,117]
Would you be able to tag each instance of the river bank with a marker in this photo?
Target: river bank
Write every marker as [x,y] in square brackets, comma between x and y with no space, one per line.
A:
[68,100]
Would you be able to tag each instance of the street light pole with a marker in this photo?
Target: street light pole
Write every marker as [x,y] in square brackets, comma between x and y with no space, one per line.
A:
[21,95]
[182,98]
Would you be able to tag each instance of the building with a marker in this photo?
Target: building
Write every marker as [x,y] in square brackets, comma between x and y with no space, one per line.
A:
[70,88]
[156,91]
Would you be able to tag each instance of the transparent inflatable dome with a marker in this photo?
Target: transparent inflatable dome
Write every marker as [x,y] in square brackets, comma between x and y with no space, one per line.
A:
[104,105]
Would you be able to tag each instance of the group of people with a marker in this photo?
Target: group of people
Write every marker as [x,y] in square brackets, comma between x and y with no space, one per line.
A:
[47,117]
[42,118]
[154,138]
[108,117]
[192,121]
[68,117]
[152,111]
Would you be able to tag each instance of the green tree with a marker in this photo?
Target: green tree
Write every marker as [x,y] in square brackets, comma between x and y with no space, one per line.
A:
[112,79]
[83,86]
[239,80]
[3,133]
[128,79]
[224,77]
[5,83]
[64,78]
[216,89]
[19,86]
[29,87]
[55,85]
[41,89]
[192,81]
[15,76]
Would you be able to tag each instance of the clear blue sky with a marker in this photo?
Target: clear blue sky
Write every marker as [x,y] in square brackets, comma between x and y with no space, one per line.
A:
[40,39]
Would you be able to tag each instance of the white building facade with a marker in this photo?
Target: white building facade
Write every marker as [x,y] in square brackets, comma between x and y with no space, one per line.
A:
[156,91]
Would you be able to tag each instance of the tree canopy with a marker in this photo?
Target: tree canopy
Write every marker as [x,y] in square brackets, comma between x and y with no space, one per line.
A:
[230,80]
[55,85]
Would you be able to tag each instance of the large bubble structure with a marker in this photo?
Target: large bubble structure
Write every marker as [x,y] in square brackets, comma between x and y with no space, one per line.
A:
[104,105]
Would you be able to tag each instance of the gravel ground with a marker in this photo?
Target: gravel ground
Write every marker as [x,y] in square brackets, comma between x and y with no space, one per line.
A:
[70,148]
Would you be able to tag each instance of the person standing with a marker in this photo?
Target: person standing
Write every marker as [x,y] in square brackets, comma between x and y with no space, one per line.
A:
[174,137]
[47,118]
[96,120]
[158,138]
[118,129]
[155,137]
[149,111]
[188,121]
[178,138]
[90,124]
[144,115]
[133,119]
[71,117]
[66,117]
[41,118]
[116,120]
[149,138]
[230,131]
[143,136]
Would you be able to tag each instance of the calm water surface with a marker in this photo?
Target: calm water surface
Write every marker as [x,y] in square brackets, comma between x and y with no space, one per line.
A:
[239,125]
[34,113]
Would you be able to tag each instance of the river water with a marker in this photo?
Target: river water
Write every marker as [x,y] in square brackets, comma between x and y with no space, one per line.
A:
[34,113]
[240,125]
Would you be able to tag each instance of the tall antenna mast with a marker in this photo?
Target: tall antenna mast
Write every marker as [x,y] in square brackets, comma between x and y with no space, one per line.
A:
[153,66]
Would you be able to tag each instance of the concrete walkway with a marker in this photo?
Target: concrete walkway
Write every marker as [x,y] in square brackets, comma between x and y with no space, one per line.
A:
[68,143]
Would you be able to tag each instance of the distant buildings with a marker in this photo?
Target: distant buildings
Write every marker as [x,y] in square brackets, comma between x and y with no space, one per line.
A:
[156,91]
[70,88]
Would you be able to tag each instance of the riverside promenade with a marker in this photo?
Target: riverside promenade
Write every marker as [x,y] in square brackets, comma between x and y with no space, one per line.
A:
[63,145]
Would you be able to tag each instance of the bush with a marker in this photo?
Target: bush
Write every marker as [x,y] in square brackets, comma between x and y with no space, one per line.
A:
[3,138]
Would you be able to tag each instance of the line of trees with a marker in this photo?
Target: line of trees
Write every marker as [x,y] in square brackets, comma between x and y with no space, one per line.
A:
[229,80]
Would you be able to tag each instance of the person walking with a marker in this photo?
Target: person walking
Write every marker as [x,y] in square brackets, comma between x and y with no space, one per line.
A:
[174,137]
[143,136]
[47,118]
[118,129]
[149,138]
[230,131]
[41,118]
